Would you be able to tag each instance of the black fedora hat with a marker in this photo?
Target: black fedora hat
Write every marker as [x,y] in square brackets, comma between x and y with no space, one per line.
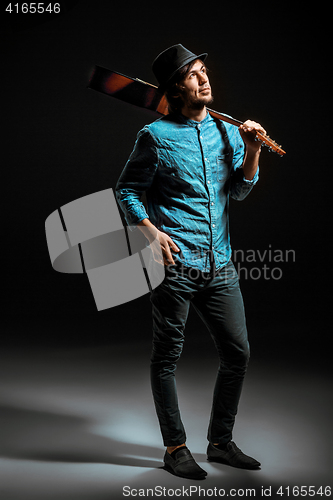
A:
[168,62]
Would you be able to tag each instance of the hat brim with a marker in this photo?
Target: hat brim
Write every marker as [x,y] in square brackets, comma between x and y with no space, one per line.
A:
[202,57]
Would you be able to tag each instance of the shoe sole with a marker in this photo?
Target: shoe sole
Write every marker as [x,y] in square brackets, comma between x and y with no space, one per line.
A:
[225,462]
[168,468]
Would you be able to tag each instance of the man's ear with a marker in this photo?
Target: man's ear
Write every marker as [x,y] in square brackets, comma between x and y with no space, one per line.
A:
[180,89]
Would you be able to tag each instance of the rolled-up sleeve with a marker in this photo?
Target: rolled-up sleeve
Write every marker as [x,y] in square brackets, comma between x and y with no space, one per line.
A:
[239,186]
[137,177]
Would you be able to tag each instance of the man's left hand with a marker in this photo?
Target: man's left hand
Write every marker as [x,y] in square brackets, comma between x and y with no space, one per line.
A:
[248,132]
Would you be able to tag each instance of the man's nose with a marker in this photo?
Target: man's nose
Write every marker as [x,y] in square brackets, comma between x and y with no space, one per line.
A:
[203,79]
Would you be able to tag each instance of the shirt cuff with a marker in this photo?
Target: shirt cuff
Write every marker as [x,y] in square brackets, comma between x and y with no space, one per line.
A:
[135,215]
[253,181]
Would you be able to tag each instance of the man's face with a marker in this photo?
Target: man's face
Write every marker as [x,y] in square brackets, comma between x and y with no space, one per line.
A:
[196,91]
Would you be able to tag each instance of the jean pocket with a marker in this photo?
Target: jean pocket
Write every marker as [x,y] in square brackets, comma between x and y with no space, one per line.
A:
[229,275]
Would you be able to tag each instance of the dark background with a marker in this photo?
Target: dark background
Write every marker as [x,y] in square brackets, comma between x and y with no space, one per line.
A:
[67,369]
[63,141]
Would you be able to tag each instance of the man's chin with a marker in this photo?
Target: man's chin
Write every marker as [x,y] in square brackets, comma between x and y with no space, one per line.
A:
[202,101]
[209,99]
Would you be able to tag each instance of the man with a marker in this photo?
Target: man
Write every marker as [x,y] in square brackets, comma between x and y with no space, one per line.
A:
[188,163]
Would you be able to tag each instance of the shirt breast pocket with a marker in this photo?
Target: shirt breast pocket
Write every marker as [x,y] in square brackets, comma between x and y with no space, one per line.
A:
[221,168]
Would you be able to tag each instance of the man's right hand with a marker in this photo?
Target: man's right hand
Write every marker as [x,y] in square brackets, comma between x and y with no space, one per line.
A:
[161,244]
[167,247]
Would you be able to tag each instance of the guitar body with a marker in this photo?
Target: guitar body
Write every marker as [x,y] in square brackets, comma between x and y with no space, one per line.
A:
[145,95]
[131,90]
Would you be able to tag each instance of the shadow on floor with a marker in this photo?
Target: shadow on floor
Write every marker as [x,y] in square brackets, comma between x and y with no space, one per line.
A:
[40,435]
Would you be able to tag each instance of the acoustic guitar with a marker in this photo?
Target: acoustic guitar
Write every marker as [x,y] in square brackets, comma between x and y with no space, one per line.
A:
[145,95]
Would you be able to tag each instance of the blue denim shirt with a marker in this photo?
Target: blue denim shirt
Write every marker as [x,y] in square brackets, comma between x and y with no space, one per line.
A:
[188,169]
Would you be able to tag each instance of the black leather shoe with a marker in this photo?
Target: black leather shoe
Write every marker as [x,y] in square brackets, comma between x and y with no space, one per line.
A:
[231,456]
[184,465]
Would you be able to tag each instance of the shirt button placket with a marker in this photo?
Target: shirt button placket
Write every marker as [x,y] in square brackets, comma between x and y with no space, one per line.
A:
[207,166]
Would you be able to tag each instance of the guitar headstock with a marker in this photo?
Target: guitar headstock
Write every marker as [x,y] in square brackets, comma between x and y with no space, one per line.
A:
[272,145]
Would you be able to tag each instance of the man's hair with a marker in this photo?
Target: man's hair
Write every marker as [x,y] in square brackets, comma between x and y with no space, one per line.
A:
[173,91]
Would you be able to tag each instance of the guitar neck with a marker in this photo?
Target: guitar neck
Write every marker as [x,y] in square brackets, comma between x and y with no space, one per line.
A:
[265,139]
[223,117]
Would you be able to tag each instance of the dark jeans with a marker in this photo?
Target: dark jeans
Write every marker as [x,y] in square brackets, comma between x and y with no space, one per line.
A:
[219,303]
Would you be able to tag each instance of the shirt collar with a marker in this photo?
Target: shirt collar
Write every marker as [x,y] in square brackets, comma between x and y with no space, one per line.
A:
[193,123]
